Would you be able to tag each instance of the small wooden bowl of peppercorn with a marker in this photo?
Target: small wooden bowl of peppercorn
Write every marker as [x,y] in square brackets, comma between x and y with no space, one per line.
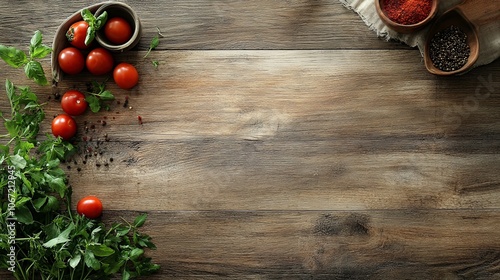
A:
[406,16]
[452,45]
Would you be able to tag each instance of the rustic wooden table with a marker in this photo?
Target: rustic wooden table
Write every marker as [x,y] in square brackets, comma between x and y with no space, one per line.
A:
[284,140]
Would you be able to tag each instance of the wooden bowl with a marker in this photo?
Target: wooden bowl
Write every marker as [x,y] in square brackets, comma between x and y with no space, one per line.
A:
[127,13]
[401,28]
[60,41]
[469,16]
[456,18]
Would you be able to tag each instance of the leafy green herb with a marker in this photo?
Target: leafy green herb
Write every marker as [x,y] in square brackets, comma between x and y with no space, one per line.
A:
[98,96]
[155,63]
[94,24]
[18,58]
[154,42]
[51,242]
[26,113]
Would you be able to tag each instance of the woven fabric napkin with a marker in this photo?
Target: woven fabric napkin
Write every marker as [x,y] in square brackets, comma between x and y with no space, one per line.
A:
[489,36]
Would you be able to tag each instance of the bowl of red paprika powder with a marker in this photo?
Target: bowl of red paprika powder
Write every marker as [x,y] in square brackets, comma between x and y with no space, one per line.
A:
[406,16]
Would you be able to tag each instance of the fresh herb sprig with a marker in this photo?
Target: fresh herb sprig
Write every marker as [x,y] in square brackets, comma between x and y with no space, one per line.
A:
[154,42]
[26,113]
[98,95]
[95,23]
[32,67]
[49,240]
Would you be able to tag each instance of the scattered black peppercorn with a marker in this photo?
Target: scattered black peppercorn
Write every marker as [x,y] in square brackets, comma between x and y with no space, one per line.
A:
[449,50]
[125,104]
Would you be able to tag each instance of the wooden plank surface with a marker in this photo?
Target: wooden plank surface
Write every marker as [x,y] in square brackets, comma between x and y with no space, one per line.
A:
[283,140]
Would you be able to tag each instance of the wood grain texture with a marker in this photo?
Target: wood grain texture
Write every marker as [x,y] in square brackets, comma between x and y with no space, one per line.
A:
[193,24]
[283,140]
[327,245]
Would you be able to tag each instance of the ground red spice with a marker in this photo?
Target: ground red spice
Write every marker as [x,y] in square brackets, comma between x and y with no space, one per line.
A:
[407,12]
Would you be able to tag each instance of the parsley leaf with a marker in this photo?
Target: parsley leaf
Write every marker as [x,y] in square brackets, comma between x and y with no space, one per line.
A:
[98,95]
[61,244]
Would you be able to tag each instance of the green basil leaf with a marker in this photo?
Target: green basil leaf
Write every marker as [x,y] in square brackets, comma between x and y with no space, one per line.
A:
[114,267]
[101,250]
[59,264]
[125,275]
[96,231]
[56,183]
[121,231]
[41,51]
[145,242]
[11,90]
[155,42]
[75,260]
[52,204]
[91,261]
[39,203]
[20,202]
[52,163]
[18,161]
[36,40]
[58,240]
[106,95]
[27,183]
[101,20]
[90,35]
[94,103]
[25,147]
[35,72]
[12,56]
[87,16]
[136,253]
[140,220]
[63,237]
[23,215]
[51,230]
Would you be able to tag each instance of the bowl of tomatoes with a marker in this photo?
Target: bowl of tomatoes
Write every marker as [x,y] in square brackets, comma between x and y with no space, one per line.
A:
[114,28]
[122,30]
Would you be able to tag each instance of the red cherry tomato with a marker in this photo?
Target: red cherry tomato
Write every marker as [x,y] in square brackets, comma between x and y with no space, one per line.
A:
[118,30]
[64,126]
[71,61]
[99,61]
[76,34]
[90,207]
[73,103]
[125,75]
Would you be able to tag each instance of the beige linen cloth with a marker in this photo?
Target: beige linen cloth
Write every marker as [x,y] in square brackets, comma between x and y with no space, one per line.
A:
[489,36]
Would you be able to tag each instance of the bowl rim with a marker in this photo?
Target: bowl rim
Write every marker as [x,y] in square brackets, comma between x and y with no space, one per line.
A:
[385,18]
[137,24]
[60,36]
